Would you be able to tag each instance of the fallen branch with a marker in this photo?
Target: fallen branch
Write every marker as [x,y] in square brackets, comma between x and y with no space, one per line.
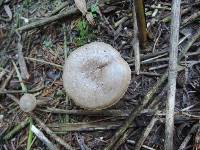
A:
[45,62]
[191,18]
[21,60]
[24,88]
[43,138]
[144,146]
[146,133]
[44,21]
[168,18]
[62,6]
[86,126]
[51,134]
[6,81]
[188,137]
[123,139]
[16,129]
[135,112]
[119,113]
[48,20]
[149,95]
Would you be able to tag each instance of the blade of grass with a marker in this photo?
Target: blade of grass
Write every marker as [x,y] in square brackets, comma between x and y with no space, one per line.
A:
[30,135]
[16,129]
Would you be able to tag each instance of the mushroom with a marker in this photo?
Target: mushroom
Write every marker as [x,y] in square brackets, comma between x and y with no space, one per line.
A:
[95,76]
[27,102]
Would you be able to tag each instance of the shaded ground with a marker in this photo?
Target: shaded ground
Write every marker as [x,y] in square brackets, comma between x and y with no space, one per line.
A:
[44,50]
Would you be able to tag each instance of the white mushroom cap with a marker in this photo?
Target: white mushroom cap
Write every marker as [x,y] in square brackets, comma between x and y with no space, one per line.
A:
[96,76]
[27,102]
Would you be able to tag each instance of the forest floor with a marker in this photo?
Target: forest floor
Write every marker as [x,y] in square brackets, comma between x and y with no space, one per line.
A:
[35,37]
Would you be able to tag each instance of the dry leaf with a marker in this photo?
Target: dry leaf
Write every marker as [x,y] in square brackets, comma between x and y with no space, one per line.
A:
[81,5]
[90,18]
[8,11]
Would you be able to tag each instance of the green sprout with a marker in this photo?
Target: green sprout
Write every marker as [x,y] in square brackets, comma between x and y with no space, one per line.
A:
[82,28]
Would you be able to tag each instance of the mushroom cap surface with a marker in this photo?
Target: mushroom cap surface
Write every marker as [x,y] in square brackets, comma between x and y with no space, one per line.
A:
[27,102]
[95,76]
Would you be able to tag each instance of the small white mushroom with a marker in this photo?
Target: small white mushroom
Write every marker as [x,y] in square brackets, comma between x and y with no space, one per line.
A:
[27,102]
[95,76]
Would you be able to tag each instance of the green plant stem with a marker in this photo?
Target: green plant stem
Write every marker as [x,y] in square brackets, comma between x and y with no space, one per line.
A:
[30,135]
[16,129]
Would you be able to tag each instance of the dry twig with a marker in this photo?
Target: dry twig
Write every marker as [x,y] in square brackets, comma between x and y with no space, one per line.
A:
[174,39]
[141,22]
[43,138]
[136,47]
[21,60]
[149,95]
[146,133]
[188,137]
[51,134]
